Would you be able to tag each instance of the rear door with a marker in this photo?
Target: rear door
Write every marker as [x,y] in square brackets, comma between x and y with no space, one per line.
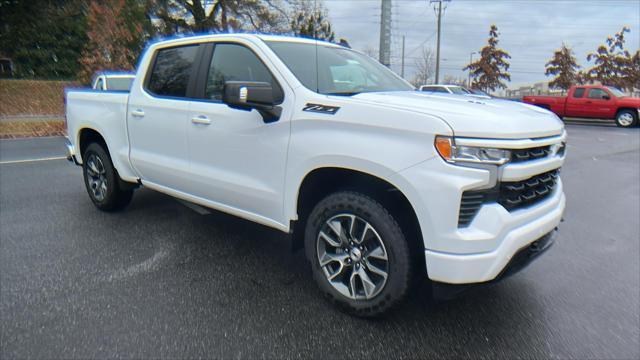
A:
[600,104]
[157,117]
[238,160]
[576,103]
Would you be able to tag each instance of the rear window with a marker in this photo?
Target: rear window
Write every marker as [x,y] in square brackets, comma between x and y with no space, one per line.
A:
[119,84]
[437,89]
[171,71]
[578,93]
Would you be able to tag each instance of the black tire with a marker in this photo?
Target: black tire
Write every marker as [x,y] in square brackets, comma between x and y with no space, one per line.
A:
[114,198]
[623,117]
[386,231]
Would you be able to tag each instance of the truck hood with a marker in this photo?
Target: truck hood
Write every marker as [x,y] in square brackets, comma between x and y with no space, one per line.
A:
[629,101]
[474,117]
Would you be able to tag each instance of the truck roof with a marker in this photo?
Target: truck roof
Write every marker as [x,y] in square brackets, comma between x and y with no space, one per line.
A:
[263,37]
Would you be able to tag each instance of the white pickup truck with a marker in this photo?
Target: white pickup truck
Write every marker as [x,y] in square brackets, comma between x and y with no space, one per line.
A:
[378,182]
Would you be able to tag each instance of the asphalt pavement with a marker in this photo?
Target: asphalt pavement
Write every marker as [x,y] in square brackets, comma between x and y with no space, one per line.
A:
[160,280]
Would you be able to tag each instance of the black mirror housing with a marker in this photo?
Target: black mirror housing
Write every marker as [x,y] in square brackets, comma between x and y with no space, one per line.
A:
[249,95]
[606,97]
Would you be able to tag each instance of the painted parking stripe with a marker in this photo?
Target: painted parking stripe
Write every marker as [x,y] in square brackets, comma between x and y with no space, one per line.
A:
[32,160]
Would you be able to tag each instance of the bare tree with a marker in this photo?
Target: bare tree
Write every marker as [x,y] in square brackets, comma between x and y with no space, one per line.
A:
[453,80]
[193,16]
[371,52]
[425,67]
[311,19]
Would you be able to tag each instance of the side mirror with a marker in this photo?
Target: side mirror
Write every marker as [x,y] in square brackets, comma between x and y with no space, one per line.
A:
[247,95]
[606,97]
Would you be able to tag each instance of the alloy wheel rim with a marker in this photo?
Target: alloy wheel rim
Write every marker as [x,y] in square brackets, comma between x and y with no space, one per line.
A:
[625,119]
[97,177]
[352,257]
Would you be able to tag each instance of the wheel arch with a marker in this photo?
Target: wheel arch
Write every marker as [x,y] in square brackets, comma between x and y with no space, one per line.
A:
[322,181]
[88,135]
[621,109]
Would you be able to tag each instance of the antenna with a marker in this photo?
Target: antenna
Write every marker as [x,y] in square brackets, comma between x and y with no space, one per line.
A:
[315,37]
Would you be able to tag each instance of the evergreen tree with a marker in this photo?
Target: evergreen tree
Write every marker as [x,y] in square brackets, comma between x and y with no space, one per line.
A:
[43,38]
[492,66]
[564,67]
[612,62]
[632,71]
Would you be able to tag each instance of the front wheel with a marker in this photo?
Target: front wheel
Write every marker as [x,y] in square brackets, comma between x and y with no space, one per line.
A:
[358,253]
[627,118]
[102,180]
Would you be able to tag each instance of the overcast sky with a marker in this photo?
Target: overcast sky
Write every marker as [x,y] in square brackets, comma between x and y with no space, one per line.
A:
[530,30]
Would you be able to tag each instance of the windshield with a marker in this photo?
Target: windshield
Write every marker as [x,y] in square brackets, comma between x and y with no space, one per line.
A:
[338,71]
[119,84]
[615,92]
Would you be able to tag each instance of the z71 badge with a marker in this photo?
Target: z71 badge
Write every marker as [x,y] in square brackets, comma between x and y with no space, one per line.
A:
[324,109]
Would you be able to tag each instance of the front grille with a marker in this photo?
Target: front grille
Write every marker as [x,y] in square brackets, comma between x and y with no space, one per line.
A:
[516,195]
[511,195]
[535,153]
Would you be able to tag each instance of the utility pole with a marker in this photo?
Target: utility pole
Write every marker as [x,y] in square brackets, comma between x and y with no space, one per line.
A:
[385,33]
[402,68]
[439,14]
[470,61]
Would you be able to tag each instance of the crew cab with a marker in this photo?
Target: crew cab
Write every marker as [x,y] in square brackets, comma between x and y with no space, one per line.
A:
[592,101]
[377,182]
[108,81]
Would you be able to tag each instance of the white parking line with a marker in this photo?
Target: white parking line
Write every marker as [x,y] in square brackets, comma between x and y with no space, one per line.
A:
[31,160]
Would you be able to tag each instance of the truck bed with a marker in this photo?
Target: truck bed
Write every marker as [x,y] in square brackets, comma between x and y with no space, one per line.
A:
[104,112]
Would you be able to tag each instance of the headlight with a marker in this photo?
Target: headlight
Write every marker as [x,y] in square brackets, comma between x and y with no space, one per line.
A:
[447,148]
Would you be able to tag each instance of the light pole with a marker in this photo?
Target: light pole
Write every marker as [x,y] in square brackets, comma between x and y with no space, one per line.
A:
[438,8]
[470,61]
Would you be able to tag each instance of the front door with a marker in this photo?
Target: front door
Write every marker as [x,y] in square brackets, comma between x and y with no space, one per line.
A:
[600,104]
[237,160]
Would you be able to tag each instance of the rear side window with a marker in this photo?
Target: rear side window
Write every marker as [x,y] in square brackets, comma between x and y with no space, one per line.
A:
[232,62]
[578,93]
[171,71]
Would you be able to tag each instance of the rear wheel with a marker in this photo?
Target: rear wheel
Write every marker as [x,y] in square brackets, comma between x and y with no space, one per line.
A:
[358,253]
[102,180]
[627,118]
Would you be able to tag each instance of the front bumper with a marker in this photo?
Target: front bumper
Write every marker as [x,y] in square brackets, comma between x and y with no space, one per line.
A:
[71,151]
[519,261]
[482,267]
[479,251]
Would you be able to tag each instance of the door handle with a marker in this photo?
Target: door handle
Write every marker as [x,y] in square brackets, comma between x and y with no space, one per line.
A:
[589,102]
[137,113]
[202,120]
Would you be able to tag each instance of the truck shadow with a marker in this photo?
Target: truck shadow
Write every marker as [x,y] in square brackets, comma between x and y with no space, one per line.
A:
[273,285]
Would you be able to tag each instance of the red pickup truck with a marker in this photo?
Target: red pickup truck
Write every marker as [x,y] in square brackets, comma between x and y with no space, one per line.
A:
[592,101]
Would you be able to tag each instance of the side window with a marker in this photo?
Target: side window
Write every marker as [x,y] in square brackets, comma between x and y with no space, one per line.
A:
[171,71]
[231,62]
[578,93]
[596,94]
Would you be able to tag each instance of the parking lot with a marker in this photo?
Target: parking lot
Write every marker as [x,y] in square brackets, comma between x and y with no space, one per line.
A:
[161,280]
